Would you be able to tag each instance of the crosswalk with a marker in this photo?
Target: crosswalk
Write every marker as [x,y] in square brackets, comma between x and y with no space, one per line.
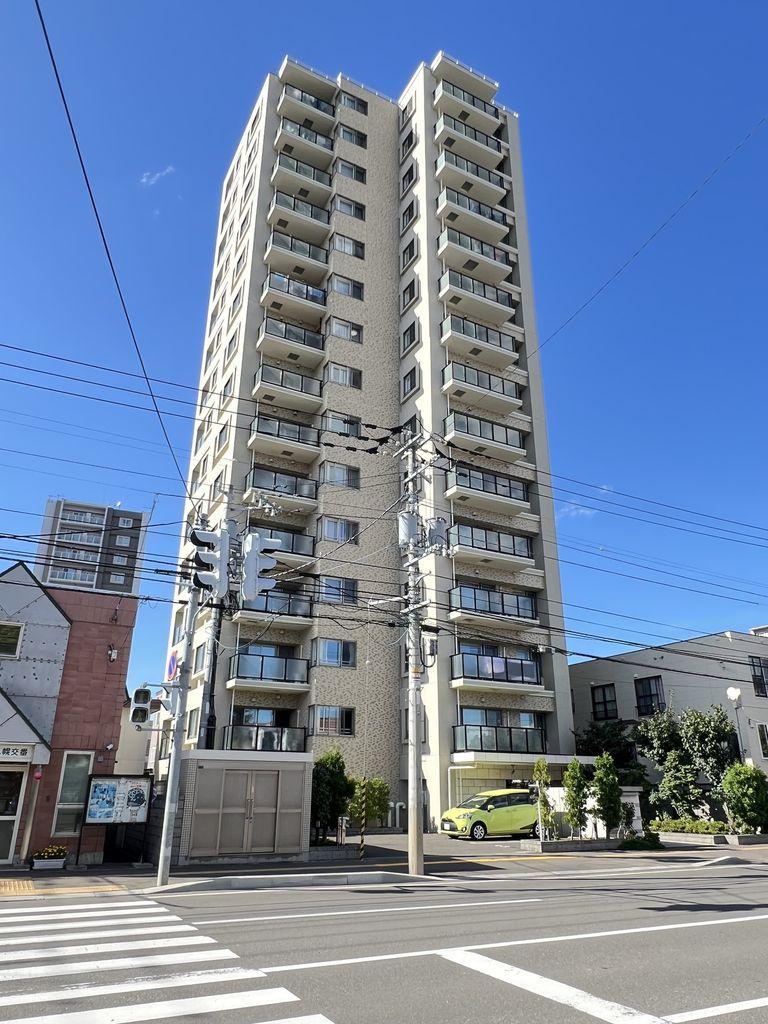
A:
[68,965]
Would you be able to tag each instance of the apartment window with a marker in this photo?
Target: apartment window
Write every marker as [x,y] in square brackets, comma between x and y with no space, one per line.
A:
[343,531]
[350,207]
[409,294]
[193,721]
[410,381]
[346,286]
[604,702]
[353,135]
[350,170]
[331,721]
[650,695]
[759,667]
[346,99]
[226,391]
[221,437]
[339,475]
[408,178]
[125,522]
[407,144]
[199,659]
[243,226]
[762,735]
[247,191]
[165,742]
[408,109]
[119,560]
[73,788]
[254,123]
[236,304]
[342,243]
[122,541]
[73,575]
[117,577]
[337,590]
[408,255]
[231,346]
[218,486]
[178,627]
[240,263]
[410,336]
[409,214]
[346,329]
[347,376]
[336,653]
[10,639]
[339,423]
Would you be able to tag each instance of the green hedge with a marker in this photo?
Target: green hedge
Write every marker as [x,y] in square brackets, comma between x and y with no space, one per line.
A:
[691,825]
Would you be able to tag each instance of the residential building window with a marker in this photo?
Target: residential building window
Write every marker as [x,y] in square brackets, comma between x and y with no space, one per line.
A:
[218,486]
[226,391]
[347,376]
[343,531]
[221,437]
[342,243]
[409,214]
[125,522]
[409,294]
[650,695]
[604,702]
[337,590]
[117,577]
[339,423]
[409,382]
[408,255]
[243,226]
[236,304]
[407,144]
[353,135]
[199,659]
[410,336]
[240,263]
[122,542]
[73,575]
[759,667]
[10,639]
[350,207]
[331,721]
[762,735]
[346,99]
[231,346]
[193,721]
[336,653]
[349,170]
[346,329]
[408,178]
[339,475]
[119,560]
[165,742]
[407,110]
[73,789]
[346,286]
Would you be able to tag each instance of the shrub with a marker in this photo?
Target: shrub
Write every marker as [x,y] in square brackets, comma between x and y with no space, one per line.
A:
[650,841]
[607,793]
[576,793]
[546,816]
[331,791]
[697,826]
[745,789]
[376,801]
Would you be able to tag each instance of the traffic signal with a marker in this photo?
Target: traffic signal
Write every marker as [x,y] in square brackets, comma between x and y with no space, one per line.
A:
[140,706]
[256,561]
[211,560]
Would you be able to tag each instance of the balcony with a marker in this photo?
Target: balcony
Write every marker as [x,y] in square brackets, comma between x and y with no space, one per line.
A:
[295,548]
[467,338]
[483,390]
[462,175]
[278,608]
[468,295]
[285,341]
[288,255]
[287,388]
[463,75]
[298,217]
[286,295]
[296,177]
[473,256]
[473,606]
[484,437]
[458,137]
[292,493]
[285,438]
[474,218]
[277,739]
[257,671]
[498,739]
[299,105]
[494,492]
[478,546]
[509,675]
[470,109]
[304,143]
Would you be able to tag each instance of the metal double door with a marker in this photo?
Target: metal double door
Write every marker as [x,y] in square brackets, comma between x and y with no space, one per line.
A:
[235,811]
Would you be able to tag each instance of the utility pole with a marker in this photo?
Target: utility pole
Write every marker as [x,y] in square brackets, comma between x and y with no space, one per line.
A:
[410,535]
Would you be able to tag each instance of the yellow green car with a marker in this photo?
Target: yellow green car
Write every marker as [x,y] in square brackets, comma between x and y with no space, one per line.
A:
[496,812]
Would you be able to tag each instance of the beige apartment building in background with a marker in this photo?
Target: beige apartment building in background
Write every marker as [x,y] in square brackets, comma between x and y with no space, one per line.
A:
[371,277]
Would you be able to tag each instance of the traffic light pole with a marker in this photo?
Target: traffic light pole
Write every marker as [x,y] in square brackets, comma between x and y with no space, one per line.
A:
[174,762]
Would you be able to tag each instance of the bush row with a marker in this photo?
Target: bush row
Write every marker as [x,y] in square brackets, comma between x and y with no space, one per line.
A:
[693,825]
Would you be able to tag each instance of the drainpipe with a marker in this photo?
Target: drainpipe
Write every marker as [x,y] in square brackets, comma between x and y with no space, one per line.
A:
[37,774]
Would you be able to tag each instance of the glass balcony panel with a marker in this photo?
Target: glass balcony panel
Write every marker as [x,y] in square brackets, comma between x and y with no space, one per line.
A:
[487,737]
[469,99]
[471,205]
[301,206]
[470,167]
[306,133]
[301,167]
[470,133]
[310,100]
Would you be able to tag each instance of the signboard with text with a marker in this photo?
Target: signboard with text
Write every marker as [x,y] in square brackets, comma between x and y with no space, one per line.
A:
[117,799]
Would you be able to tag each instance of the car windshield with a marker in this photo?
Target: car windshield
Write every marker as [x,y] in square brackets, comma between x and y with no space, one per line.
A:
[475,801]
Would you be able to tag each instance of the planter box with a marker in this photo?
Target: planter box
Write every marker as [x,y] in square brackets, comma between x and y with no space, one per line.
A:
[569,845]
[50,864]
[720,839]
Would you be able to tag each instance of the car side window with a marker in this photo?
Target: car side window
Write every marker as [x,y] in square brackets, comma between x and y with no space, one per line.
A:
[519,798]
[496,802]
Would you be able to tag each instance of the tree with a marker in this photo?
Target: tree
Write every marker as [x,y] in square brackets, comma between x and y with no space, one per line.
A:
[542,779]
[709,738]
[657,736]
[331,791]
[745,789]
[376,800]
[616,739]
[607,793]
[576,793]
[678,786]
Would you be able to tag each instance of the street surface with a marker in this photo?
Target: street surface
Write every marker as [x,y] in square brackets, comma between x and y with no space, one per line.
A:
[674,937]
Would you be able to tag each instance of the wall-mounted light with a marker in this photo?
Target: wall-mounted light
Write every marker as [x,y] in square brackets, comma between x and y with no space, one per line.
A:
[111,653]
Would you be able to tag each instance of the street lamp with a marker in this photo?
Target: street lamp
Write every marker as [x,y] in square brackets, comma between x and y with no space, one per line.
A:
[733,693]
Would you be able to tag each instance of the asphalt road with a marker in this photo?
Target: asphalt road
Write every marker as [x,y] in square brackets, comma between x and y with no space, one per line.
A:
[678,937]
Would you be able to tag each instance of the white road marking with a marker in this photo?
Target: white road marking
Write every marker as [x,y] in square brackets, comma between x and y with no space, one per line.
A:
[126,963]
[566,995]
[38,919]
[109,933]
[228,974]
[167,1008]
[102,947]
[542,940]
[54,909]
[372,910]
[59,926]
[542,876]
[717,1011]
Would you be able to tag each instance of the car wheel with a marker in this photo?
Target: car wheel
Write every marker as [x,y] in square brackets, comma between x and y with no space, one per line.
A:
[535,831]
[478,830]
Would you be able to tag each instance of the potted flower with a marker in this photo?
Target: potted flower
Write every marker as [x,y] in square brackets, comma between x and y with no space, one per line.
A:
[51,857]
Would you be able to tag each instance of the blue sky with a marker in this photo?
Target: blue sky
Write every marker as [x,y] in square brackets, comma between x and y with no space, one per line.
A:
[657,389]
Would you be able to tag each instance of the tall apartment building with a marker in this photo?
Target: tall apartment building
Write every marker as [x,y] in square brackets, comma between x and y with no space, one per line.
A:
[372,271]
[91,547]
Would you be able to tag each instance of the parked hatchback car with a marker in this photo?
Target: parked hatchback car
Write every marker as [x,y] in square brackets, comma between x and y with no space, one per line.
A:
[496,812]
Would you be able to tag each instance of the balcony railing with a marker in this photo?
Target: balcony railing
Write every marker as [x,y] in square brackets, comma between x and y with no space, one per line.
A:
[282,739]
[280,602]
[269,669]
[495,670]
[290,163]
[306,209]
[475,287]
[310,100]
[462,164]
[485,429]
[481,379]
[490,540]
[298,246]
[469,98]
[492,602]
[479,332]
[289,285]
[499,739]
[472,205]
[282,483]
[290,543]
[312,339]
[475,245]
[286,430]
[490,483]
[288,379]
[467,132]
[305,133]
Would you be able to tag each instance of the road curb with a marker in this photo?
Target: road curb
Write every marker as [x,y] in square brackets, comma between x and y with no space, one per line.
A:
[293,881]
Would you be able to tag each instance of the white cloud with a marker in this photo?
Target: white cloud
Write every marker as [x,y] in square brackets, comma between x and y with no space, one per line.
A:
[575,512]
[150,178]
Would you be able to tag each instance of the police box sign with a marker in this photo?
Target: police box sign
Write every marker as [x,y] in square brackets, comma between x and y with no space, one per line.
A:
[15,752]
